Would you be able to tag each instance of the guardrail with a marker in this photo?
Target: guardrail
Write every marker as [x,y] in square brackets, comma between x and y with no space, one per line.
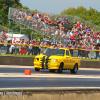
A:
[78,93]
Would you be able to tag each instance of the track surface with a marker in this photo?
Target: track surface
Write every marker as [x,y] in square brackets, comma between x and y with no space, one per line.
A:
[13,76]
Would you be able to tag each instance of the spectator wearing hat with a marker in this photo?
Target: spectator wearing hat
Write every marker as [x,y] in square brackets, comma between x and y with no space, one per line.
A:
[15,13]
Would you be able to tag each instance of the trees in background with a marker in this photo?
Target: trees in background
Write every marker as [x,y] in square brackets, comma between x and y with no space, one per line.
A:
[4,8]
[91,15]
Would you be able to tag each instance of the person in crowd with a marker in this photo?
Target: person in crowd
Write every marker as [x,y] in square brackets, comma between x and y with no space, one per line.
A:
[30,48]
[15,13]
[17,47]
[8,46]
[13,48]
[3,34]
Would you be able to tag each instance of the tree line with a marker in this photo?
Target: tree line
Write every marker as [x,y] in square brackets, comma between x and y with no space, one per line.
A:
[91,15]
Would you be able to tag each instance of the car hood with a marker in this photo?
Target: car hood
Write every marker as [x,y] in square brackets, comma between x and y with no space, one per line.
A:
[50,56]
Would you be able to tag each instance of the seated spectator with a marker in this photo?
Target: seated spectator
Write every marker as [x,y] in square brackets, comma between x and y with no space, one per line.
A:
[3,34]
[15,13]
[19,16]
[56,19]
[25,14]
[60,19]
[29,17]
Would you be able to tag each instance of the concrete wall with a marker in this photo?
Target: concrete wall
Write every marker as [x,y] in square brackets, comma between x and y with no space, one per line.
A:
[28,61]
[10,60]
[55,95]
[90,64]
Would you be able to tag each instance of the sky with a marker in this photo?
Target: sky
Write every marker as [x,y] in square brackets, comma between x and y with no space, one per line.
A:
[57,6]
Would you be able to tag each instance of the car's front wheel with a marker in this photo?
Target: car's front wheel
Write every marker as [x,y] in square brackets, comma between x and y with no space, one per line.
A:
[60,68]
[36,69]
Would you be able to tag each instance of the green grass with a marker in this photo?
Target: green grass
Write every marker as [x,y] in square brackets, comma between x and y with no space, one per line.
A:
[91,59]
[35,55]
[17,55]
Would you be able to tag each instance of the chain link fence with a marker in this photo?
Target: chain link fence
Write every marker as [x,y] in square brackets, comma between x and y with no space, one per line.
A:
[7,29]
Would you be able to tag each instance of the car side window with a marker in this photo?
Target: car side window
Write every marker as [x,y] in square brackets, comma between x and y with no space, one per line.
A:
[67,53]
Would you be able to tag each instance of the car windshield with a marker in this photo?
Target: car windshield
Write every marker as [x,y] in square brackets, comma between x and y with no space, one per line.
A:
[59,52]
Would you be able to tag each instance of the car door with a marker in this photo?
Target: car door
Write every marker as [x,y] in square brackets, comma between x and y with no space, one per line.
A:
[67,59]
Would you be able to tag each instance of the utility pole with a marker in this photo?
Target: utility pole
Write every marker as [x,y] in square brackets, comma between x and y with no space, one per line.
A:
[32,31]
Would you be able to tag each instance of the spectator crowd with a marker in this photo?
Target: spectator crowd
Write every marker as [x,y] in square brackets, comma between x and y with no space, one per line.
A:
[80,36]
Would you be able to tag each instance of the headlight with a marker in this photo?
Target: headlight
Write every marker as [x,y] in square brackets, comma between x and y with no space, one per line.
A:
[54,60]
[36,59]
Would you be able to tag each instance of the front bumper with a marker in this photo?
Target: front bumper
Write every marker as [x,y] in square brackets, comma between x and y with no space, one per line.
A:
[52,65]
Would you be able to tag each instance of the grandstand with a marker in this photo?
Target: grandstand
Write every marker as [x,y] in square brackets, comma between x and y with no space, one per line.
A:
[52,31]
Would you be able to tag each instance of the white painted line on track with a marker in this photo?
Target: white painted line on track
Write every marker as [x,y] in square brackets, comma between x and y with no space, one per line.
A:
[49,75]
[15,66]
[90,69]
[18,66]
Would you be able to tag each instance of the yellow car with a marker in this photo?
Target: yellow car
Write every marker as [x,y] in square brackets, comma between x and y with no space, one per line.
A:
[57,59]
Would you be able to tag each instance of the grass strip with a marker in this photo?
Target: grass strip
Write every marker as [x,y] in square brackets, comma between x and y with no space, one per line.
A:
[35,55]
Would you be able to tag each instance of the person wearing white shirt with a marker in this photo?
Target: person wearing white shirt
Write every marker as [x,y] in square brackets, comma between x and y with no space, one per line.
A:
[30,48]
[13,49]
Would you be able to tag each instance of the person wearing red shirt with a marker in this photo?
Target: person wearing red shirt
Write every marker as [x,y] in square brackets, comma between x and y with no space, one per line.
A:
[72,38]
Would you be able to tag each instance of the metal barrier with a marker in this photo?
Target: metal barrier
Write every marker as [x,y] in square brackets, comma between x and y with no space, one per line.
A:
[4,28]
[24,49]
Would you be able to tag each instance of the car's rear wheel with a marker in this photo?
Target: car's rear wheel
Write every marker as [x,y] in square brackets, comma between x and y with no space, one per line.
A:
[60,68]
[37,69]
[75,69]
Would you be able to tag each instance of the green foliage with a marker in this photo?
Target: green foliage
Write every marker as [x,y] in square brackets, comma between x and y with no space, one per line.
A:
[91,15]
[25,8]
[35,11]
[4,7]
